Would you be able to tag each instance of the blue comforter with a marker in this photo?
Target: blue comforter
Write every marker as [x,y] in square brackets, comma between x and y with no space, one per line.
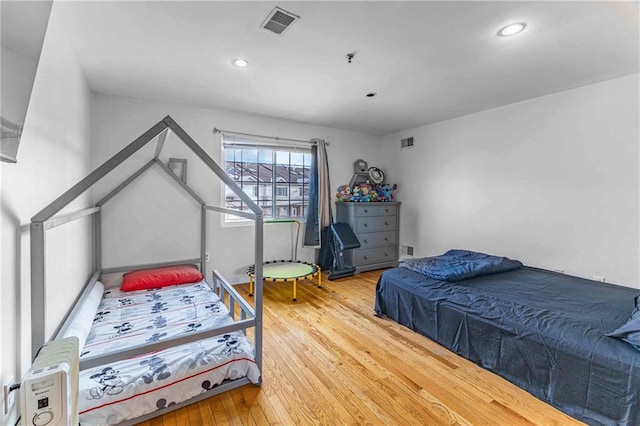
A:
[456,265]
[542,330]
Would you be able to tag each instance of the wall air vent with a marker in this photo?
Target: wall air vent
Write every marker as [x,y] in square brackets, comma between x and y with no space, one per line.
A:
[407,142]
[408,250]
[279,20]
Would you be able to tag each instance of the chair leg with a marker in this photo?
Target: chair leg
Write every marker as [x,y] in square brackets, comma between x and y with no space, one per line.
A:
[294,290]
[250,286]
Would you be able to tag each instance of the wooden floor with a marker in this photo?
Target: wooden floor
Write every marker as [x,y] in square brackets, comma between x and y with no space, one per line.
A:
[329,360]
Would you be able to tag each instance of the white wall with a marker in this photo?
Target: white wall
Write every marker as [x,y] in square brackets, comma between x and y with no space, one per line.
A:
[54,154]
[552,181]
[151,221]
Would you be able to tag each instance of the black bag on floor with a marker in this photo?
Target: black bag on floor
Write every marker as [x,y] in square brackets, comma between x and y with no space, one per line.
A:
[343,239]
[325,256]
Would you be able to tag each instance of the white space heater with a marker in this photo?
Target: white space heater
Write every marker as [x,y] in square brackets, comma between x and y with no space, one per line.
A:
[49,390]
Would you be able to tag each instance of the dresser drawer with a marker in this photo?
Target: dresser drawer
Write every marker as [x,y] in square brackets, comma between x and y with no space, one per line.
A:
[375,255]
[374,209]
[377,239]
[375,224]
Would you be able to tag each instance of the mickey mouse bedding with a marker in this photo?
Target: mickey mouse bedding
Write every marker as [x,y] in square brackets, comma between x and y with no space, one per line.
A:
[110,394]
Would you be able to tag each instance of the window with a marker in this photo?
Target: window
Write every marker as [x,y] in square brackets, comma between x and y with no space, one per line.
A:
[275,177]
[282,191]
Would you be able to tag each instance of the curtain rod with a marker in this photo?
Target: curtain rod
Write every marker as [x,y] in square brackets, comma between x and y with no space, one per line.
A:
[276,138]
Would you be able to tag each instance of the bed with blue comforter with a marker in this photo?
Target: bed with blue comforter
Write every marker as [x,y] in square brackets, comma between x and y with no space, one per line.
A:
[541,330]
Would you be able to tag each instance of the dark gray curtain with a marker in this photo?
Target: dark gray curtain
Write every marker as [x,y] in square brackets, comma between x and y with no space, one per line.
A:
[312,228]
[319,213]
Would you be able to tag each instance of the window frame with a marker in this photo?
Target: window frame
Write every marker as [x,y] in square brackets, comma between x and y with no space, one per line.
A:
[296,186]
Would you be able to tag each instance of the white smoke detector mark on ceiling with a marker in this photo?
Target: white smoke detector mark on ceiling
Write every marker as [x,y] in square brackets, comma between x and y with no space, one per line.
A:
[279,20]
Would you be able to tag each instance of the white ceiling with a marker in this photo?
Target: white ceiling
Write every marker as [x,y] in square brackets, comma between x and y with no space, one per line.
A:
[428,61]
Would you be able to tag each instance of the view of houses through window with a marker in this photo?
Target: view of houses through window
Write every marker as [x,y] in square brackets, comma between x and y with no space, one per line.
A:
[276,178]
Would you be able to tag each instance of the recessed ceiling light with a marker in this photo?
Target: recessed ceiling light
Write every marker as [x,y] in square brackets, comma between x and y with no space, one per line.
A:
[371,94]
[512,29]
[240,63]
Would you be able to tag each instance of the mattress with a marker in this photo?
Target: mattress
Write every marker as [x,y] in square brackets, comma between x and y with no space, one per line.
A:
[127,389]
[541,330]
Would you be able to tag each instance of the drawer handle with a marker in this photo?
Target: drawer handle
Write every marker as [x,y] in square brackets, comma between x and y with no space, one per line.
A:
[386,255]
[366,211]
[366,241]
[365,225]
[386,210]
[385,238]
[386,224]
[366,257]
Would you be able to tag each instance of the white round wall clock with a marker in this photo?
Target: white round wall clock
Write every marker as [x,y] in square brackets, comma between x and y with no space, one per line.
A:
[376,175]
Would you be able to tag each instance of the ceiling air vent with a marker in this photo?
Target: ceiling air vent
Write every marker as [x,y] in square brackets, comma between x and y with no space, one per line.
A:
[279,20]
[406,143]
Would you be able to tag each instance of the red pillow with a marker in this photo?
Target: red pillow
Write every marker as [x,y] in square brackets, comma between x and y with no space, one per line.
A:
[144,279]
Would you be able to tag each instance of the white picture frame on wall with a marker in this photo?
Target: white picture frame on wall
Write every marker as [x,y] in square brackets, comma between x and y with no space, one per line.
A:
[179,167]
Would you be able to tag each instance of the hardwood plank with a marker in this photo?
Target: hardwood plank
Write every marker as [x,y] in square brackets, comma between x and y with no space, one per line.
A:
[156,422]
[206,414]
[298,370]
[383,395]
[230,409]
[378,372]
[169,419]
[291,396]
[329,360]
[182,416]
[217,409]
[278,409]
[194,415]
[259,408]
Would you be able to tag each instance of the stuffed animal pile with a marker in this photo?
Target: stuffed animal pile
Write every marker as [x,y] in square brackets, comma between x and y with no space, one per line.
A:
[366,193]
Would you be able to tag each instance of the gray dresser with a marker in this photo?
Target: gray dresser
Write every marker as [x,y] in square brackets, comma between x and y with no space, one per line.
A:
[377,227]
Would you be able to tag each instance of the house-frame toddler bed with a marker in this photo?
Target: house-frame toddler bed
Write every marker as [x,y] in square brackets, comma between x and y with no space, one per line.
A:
[544,331]
[152,351]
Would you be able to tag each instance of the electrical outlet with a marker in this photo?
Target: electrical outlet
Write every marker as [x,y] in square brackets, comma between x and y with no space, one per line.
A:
[598,278]
[9,398]
[206,257]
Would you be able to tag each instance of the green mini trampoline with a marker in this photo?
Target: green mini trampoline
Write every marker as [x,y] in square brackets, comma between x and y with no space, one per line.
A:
[286,270]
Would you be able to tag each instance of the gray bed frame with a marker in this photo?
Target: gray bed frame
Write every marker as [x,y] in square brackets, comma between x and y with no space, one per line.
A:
[48,218]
